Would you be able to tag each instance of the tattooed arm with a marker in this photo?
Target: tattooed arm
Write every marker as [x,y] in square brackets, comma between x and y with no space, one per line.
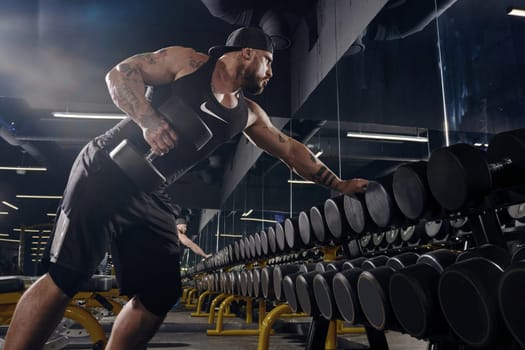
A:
[296,155]
[127,83]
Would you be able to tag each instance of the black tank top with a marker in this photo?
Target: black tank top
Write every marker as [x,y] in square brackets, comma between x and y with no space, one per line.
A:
[194,90]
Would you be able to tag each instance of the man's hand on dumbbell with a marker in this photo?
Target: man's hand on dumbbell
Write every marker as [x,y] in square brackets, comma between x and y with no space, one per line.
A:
[159,135]
[352,186]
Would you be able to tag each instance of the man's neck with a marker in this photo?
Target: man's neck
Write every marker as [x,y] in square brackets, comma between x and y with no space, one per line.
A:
[225,78]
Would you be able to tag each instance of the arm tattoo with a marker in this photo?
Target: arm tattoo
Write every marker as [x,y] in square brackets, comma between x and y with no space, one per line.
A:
[195,63]
[324,176]
[128,69]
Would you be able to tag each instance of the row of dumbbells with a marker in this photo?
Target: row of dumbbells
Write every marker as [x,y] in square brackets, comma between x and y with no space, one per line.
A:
[456,179]
[473,297]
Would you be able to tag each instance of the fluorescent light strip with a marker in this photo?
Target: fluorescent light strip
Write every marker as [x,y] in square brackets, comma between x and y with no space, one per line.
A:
[51,214]
[87,115]
[10,240]
[303,182]
[36,196]
[228,235]
[40,237]
[22,168]
[260,220]
[247,213]
[26,230]
[10,205]
[4,234]
[517,12]
[386,137]
[4,212]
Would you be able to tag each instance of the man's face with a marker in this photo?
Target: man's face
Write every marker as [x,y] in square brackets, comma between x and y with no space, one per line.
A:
[182,228]
[258,72]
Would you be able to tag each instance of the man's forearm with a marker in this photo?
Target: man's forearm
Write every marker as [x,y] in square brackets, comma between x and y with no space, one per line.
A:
[197,250]
[305,164]
[126,87]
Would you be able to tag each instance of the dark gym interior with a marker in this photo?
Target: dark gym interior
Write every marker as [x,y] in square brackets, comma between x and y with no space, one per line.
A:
[424,98]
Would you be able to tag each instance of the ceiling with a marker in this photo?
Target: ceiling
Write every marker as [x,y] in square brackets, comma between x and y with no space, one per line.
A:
[55,54]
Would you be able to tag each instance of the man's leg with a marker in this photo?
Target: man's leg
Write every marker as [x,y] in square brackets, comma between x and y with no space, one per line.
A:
[36,316]
[133,327]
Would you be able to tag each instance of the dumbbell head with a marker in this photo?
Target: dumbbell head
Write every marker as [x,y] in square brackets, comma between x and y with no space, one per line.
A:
[324,295]
[264,244]
[256,283]
[279,272]
[379,198]
[458,176]
[357,214]
[412,192]
[318,223]
[290,295]
[468,295]
[374,299]
[336,220]
[280,238]
[344,286]
[305,294]
[267,282]
[305,229]
[510,297]
[291,234]
[272,243]
[136,167]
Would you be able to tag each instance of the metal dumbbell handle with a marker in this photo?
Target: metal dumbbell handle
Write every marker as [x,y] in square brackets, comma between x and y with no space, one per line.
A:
[151,156]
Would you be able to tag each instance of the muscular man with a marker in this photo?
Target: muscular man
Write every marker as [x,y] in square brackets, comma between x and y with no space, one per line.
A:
[182,228]
[100,204]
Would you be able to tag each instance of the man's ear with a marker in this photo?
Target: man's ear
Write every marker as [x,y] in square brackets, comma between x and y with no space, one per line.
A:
[247,53]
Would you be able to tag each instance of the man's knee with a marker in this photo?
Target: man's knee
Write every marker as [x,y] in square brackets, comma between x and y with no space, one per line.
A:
[69,281]
[159,304]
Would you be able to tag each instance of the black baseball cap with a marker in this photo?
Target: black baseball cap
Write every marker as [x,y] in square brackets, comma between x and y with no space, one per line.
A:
[251,37]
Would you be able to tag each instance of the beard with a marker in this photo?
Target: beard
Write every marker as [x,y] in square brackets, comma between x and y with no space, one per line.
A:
[252,84]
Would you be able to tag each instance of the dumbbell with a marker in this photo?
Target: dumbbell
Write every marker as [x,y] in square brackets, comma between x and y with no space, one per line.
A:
[510,296]
[336,221]
[139,166]
[280,239]
[357,214]
[264,243]
[256,283]
[318,223]
[305,229]
[382,207]
[280,272]
[324,294]
[468,295]
[412,192]
[461,175]
[292,235]
[289,283]
[258,244]
[272,243]
[372,291]
[344,286]
[305,294]
[413,294]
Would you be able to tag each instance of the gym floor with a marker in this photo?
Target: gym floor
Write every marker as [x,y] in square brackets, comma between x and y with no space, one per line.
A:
[181,331]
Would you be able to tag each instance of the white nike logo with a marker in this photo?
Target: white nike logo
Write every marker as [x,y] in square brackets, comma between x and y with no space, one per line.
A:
[207,111]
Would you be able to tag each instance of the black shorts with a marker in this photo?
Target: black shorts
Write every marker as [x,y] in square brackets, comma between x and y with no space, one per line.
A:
[101,209]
